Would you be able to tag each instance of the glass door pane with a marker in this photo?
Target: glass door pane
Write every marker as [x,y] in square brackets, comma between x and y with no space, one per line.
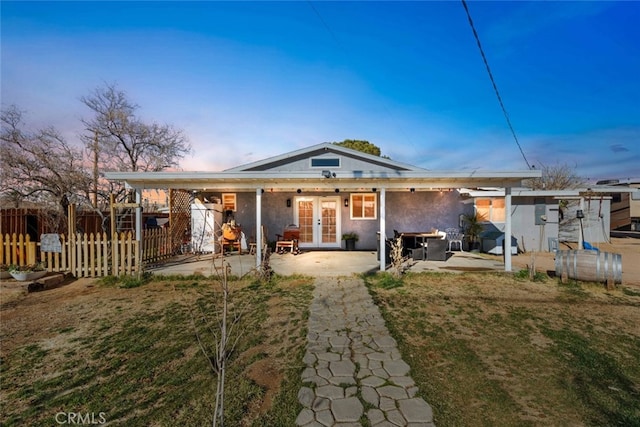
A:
[305,220]
[329,231]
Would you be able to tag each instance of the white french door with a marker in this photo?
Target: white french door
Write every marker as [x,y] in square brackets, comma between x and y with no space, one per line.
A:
[319,221]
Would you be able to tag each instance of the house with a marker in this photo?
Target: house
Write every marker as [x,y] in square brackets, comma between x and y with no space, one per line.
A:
[625,206]
[327,190]
[541,219]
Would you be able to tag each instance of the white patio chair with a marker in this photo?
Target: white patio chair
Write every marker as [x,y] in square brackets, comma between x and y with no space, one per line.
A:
[454,236]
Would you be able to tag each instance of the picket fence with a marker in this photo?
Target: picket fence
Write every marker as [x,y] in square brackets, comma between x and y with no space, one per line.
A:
[89,255]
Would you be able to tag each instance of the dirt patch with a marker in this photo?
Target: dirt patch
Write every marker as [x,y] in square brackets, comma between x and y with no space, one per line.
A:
[267,375]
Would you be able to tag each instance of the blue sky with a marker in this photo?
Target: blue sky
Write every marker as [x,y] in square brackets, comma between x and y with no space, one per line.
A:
[249,80]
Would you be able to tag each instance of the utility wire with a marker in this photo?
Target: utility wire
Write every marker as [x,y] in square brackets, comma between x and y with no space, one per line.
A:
[347,55]
[493,82]
[326,26]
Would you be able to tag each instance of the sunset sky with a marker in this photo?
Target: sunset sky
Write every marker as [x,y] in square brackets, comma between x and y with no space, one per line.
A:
[250,80]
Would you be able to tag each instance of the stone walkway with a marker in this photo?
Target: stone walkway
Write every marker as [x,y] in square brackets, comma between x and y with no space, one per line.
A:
[354,371]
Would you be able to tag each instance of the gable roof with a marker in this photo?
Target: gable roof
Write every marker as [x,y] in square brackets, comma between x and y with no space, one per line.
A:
[296,159]
[355,171]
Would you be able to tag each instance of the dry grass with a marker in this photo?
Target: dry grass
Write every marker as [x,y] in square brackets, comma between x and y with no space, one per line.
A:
[490,349]
[131,353]
[486,349]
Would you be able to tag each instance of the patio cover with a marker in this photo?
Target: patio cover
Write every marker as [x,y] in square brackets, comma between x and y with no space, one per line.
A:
[272,175]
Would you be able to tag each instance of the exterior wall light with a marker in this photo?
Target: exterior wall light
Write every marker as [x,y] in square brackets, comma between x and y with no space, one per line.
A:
[346,202]
[288,203]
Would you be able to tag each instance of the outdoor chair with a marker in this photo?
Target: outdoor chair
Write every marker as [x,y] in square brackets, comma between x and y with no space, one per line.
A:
[288,240]
[231,235]
[454,236]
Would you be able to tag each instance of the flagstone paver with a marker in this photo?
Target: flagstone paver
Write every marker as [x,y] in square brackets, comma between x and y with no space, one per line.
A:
[354,372]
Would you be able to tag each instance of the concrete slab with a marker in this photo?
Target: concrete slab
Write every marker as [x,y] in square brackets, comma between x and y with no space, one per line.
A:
[321,264]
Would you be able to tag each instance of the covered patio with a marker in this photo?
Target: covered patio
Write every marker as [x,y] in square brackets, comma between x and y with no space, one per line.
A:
[328,190]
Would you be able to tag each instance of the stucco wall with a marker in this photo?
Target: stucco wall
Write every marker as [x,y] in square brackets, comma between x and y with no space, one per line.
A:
[423,210]
[419,211]
[529,236]
[535,237]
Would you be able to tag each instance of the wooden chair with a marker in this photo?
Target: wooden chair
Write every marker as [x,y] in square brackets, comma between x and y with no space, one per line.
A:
[252,247]
[231,238]
[288,240]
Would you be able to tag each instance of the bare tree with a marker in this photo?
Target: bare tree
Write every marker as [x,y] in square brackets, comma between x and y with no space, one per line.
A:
[116,139]
[121,141]
[40,166]
[556,177]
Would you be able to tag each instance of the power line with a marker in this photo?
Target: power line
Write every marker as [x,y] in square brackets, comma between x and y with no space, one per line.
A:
[493,82]
[326,26]
[347,54]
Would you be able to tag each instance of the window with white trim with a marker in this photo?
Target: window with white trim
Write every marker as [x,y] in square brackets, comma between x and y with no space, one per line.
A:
[363,206]
[229,202]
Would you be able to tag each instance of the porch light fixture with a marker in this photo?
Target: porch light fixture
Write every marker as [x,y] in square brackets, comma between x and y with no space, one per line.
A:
[346,202]
[298,191]
[337,190]
[413,190]
[288,203]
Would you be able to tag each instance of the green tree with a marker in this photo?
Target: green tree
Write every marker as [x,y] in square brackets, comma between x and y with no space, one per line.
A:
[360,145]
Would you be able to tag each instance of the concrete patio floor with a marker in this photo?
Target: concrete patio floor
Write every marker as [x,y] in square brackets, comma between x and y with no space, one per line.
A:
[321,263]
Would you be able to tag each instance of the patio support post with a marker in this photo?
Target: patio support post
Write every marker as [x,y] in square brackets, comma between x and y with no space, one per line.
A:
[581,230]
[507,229]
[139,215]
[382,244]
[258,227]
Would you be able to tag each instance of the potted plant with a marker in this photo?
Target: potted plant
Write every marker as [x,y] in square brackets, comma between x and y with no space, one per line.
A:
[350,240]
[27,272]
[472,231]
[4,271]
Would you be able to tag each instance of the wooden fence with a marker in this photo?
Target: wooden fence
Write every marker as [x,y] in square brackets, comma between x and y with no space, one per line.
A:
[89,255]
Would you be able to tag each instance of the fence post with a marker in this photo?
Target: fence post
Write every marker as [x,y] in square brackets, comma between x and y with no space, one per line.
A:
[105,254]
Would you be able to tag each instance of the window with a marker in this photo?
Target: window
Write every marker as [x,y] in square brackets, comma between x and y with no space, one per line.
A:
[228,202]
[325,162]
[490,210]
[363,206]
